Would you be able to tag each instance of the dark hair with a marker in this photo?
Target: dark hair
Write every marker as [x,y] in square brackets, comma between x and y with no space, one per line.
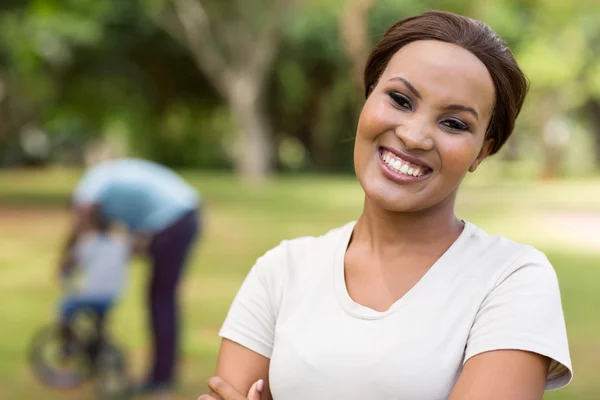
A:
[510,83]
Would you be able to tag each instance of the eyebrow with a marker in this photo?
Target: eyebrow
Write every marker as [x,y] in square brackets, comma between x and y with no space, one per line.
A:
[408,85]
[460,107]
[451,107]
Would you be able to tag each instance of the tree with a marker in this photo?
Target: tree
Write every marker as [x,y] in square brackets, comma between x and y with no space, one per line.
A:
[237,56]
[354,31]
[558,55]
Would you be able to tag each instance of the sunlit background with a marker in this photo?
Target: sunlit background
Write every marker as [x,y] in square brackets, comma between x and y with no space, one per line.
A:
[256,102]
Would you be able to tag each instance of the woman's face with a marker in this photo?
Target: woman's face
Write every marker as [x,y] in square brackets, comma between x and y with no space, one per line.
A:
[423,126]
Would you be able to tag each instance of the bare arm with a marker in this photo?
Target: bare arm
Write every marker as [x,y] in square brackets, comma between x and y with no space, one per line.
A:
[66,259]
[140,243]
[502,375]
[250,324]
[241,368]
[78,223]
[84,217]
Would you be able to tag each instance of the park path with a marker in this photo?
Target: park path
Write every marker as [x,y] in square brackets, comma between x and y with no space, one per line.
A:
[579,229]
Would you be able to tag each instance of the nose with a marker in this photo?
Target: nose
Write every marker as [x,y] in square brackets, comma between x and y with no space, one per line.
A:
[415,134]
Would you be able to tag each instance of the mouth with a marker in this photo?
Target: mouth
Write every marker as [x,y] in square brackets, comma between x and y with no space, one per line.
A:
[400,170]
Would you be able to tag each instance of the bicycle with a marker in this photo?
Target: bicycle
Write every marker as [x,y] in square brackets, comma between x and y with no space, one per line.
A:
[65,356]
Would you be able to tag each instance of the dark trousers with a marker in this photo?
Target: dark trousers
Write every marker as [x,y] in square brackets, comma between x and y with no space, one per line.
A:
[168,251]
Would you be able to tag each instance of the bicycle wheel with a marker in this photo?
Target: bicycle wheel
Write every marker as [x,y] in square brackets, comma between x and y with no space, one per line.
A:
[58,363]
[112,381]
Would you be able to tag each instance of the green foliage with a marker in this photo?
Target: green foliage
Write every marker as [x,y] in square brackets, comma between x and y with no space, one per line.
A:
[76,66]
[188,135]
[312,35]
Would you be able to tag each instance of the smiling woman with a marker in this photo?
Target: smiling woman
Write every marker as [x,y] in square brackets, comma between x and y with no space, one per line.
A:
[409,301]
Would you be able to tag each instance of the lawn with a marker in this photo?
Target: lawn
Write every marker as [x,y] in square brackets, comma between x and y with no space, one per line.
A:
[243,221]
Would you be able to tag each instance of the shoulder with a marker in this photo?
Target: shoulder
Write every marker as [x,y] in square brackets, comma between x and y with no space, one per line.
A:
[326,242]
[86,243]
[521,305]
[500,257]
[305,245]
[291,255]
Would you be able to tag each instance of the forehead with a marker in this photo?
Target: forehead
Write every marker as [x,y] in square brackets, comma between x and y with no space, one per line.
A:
[444,72]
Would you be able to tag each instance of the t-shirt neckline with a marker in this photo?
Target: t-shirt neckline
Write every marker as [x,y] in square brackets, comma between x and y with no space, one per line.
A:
[363,312]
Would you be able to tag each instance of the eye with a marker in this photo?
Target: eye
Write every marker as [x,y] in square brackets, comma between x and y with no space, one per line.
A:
[400,101]
[455,124]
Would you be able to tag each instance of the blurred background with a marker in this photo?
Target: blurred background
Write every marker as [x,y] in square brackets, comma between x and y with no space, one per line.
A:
[255,102]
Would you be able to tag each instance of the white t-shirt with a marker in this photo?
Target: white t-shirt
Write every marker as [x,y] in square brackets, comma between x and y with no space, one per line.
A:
[485,293]
[102,260]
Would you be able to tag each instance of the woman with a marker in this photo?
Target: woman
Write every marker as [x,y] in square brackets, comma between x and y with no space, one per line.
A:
[410,302]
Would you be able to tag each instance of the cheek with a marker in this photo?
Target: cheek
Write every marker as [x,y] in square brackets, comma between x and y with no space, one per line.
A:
[375,119]
[458,154]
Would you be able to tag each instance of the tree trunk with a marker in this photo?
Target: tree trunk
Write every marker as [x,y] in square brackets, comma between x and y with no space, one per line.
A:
[593,108]
[255,147]
[242,80]
[320,86]
[354,32]
[552,153]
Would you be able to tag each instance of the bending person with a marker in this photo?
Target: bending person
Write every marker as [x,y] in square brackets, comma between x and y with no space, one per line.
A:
[161,210]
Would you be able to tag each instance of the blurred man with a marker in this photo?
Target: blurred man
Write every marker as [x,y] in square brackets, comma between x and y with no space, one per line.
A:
[162,212]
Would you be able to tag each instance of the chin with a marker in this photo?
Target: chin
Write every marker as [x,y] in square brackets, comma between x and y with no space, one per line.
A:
[396,205]
[394,199]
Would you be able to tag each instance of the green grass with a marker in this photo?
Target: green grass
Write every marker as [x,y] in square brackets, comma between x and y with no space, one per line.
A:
[242,222]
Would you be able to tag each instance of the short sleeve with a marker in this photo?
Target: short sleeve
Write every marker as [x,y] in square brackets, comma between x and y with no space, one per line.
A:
[524,312]
[252,316]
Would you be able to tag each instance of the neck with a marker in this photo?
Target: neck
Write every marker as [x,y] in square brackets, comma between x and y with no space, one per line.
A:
[386,231]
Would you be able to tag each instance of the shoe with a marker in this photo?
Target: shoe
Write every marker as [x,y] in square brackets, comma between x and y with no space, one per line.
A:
[150,388]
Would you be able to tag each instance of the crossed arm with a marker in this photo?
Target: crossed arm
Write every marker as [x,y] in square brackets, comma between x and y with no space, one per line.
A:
[493,375]
[238,369]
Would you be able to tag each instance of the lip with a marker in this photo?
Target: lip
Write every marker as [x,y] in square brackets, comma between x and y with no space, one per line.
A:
[398,177]
[407,157]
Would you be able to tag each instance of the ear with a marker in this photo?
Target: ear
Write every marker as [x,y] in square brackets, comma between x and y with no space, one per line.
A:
[483,153]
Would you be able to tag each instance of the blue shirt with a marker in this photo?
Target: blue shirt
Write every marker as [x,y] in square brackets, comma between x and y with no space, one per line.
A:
[142,195]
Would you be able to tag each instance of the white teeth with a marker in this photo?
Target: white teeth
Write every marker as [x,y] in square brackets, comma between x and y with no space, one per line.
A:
[400,166]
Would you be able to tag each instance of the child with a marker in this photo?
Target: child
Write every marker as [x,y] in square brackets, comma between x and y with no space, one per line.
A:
[99,258]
